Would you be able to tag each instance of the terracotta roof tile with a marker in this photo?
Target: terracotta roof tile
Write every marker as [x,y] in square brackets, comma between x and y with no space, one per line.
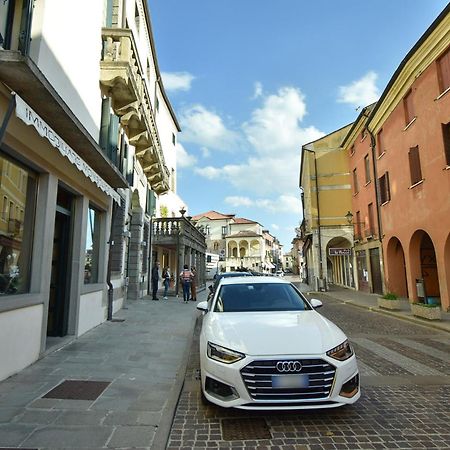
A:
[213,215]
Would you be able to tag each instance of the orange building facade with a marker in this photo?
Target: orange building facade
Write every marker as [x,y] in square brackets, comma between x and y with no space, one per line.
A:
[410,131]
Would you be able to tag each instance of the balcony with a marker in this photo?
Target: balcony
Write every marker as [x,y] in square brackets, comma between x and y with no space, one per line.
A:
[176,231]
[122,79]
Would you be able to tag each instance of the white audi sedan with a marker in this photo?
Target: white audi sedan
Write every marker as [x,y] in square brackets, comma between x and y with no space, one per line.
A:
[263,346]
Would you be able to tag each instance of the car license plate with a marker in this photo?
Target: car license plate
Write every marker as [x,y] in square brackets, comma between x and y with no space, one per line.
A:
[290,381]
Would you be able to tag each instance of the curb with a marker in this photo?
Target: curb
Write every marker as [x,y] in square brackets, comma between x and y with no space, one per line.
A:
[165,425]
[378,310]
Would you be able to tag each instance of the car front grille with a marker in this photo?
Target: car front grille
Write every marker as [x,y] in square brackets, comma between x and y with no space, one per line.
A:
[258,375]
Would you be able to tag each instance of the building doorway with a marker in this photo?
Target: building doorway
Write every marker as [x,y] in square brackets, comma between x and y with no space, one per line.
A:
[58,308]
[375,270]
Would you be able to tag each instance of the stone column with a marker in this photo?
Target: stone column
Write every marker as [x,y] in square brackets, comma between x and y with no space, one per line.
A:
[135,250]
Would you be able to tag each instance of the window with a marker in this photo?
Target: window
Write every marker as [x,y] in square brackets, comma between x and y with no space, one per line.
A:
[137,19]
[409,107]
[414,165]
[367,168]
[358,225]
[380,142]
[385,193]
[444,71]
[352,150]
[207,230]
[363,134]
[16,229]
[174,139]
[355,182]
[371,222]
[446,135]
[92,253]
[224,230]
[157,103]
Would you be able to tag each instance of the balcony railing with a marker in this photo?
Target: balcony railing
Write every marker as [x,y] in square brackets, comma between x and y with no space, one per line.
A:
[169,229]
[122,78]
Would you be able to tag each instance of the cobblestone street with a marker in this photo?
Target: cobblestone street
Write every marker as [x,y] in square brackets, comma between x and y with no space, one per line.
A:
[405,377]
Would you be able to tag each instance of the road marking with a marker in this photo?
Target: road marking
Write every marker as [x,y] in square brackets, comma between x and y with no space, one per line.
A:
[396,358]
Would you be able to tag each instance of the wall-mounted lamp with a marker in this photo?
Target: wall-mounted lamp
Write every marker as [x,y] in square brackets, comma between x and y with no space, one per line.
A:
[349,217]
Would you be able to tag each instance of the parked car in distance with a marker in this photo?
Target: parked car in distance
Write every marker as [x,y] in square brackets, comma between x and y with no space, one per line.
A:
[263,346]
[279,273]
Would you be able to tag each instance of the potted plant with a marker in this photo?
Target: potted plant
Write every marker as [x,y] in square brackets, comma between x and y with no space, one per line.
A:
[390,300]
[426,311]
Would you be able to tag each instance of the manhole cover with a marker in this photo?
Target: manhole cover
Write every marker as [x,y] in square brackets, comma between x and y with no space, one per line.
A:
[78,390]
[245,429]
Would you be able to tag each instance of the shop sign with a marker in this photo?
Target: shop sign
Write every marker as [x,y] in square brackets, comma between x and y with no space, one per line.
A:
[339,251]
[29,117]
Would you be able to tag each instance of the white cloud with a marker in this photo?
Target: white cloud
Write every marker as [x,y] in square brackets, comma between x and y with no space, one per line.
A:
[177,81]
[258,90]
[208,172]
[206,128]
[205,152]
[284,203]
[361,92]
[275,227]
[183,158]
[275,135]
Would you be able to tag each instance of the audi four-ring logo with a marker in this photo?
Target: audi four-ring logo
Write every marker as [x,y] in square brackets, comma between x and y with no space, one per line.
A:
[289,366]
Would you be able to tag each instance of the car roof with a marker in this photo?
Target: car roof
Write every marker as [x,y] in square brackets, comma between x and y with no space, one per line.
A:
[234,274]
[254,280]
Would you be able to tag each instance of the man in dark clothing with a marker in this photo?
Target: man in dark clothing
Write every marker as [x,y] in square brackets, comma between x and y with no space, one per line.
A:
[155,280]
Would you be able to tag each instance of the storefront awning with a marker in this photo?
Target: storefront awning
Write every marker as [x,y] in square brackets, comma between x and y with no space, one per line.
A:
[25,113]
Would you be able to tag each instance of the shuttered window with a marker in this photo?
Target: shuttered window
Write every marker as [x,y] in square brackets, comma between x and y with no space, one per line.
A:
[367,168]
[446,135]
[355,182]
[444,70]
[358,225]
[409,107]
[385,193]
[380,138]
[371,221]
[414,165]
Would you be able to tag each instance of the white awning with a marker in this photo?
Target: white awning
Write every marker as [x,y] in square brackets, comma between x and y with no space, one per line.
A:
[25,113]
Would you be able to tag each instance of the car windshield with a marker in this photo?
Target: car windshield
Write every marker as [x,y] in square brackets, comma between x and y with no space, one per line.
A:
[259,297]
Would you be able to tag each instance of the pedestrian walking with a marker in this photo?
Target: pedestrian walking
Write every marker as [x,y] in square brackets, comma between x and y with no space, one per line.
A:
[194,284]
[186,279]
[155,280]
[166,281]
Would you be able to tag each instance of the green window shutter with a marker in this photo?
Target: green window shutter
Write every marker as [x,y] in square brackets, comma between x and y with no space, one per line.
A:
[104,125]
[113,138]
[151,202]
[109,13]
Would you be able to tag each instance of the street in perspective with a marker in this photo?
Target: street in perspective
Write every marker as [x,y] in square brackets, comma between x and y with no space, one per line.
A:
[224,224]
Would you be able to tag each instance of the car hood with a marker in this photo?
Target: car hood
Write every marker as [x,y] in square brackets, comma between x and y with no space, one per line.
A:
[273,333]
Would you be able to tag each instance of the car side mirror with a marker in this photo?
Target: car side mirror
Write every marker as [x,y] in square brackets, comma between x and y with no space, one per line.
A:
[202,306]
[315,303]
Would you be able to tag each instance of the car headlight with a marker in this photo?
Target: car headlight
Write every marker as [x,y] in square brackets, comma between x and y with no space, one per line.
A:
[222,354]
[341,352]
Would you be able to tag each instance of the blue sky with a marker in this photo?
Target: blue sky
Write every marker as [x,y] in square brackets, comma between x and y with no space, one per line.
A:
[251,81]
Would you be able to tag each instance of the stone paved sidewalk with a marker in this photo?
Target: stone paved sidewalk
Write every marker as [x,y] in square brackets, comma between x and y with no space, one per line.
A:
[142,357]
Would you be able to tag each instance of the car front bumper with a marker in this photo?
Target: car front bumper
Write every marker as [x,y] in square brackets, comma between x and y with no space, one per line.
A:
[251,383]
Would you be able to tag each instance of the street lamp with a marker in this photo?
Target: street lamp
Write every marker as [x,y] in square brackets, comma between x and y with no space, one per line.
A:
[349,217]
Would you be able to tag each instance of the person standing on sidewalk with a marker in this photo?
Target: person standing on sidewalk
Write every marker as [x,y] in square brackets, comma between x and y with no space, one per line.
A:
[166,281]
[186,279]
[155,280]
[194,284]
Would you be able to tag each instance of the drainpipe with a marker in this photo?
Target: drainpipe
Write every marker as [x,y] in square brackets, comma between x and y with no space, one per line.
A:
[321,281]
[373,146]
[108,273]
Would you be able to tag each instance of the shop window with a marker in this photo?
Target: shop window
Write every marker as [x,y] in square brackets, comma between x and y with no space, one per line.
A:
[444,71]
[16,228]
[92,253]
